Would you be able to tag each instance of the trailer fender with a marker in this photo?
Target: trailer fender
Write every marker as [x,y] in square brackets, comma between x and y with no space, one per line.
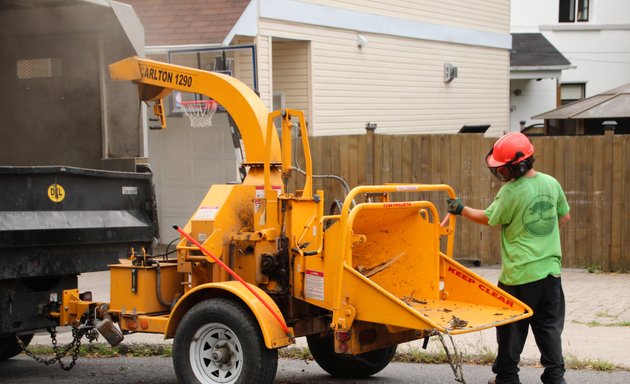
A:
[272,332]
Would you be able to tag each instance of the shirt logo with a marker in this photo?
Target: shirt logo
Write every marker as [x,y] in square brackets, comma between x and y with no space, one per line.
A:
[539,218]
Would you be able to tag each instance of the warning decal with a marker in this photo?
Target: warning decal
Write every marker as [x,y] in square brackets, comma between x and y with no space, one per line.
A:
[314,285]
[260,196]
[56,193]
[129,190]
[207,212]
[260,190]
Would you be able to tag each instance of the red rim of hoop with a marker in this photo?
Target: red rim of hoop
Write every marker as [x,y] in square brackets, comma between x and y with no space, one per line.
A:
[209,103]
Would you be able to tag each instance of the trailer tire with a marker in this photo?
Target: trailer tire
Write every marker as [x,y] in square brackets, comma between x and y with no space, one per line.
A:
[347,366]
[219,341]
[9,346]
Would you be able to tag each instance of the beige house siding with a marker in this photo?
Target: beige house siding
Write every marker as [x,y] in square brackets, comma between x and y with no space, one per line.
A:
[290,74]
[486,15]
[397,82]
[265,70]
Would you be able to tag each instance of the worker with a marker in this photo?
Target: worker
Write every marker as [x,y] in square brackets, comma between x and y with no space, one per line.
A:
[530,208]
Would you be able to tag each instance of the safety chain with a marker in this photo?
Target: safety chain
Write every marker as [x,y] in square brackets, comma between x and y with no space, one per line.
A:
[455,360]
[88,330]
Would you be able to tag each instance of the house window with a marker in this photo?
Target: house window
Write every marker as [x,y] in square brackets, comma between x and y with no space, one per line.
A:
[571,92]
[573,10]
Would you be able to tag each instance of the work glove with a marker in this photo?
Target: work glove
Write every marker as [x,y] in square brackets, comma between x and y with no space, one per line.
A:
[455,206]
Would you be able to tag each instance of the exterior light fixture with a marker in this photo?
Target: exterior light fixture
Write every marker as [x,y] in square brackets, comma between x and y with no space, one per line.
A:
[450,72]
[362,41]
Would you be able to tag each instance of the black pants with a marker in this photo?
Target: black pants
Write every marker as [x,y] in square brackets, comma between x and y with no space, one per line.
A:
[546,298]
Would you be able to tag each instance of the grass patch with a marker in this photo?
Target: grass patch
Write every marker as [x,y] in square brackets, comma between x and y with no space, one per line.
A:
[595,323]
[417,355]
[410,355]
[605,314]
[572,362]
[105,350]
[611,320]
[143,350]
[593,268]
[485,357]
[295,353]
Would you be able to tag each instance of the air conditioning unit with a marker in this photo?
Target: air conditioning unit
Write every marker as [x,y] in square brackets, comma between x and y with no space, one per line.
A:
[450,72]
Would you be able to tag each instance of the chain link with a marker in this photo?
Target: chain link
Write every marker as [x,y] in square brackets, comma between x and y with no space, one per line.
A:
[87,329]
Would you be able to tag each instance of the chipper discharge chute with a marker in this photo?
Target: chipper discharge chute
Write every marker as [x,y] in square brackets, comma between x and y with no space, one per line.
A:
[259,263]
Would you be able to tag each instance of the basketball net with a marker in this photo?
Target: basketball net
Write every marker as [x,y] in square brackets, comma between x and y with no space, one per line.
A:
[200,112]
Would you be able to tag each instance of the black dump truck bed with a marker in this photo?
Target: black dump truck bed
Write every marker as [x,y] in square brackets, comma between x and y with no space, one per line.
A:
[75,190]
[57,222]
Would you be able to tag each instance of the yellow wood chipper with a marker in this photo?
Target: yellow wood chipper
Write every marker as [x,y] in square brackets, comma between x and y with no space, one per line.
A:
[259,265]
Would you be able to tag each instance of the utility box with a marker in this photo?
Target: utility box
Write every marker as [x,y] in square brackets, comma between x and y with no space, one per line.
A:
[134,289]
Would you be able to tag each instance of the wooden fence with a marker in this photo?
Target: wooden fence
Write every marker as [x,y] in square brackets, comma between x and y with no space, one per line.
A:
[594,171]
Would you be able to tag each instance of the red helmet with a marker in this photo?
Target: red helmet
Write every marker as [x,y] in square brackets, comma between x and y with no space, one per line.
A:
[511,156]
[511,148]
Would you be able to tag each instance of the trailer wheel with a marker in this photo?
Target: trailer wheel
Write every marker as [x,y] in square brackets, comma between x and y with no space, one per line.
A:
[347,366]
[219,341]
[9,346]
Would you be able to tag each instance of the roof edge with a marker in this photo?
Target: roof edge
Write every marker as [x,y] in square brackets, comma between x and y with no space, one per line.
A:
[542,67]
[153,49]
[246,25]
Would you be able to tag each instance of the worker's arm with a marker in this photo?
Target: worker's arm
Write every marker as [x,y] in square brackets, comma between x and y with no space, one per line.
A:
[456,207]
[476,215]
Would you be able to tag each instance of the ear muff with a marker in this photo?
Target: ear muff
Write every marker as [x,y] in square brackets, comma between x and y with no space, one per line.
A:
[521,168]
[517,168]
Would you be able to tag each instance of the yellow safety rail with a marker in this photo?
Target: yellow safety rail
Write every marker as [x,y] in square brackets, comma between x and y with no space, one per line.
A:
[342,259]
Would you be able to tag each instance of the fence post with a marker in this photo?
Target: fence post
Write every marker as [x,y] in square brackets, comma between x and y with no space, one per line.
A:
[609,131]
[369,129]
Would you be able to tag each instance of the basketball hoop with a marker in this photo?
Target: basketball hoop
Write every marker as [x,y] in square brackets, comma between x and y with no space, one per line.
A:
[200,112]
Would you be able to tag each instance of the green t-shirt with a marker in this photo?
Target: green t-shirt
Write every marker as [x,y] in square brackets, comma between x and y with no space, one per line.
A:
[527,210]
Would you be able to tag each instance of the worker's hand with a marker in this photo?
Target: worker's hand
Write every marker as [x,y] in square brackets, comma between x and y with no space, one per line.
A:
[455,206]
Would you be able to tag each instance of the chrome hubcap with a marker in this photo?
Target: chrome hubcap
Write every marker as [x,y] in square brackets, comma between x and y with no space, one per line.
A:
[216,355]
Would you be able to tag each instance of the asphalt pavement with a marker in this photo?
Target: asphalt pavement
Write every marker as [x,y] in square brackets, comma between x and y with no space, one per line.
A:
[159,370]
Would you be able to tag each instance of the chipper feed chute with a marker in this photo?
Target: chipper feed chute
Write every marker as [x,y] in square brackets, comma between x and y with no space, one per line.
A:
[394,273]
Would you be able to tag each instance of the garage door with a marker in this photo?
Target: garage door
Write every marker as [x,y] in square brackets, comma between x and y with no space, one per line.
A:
[186,162]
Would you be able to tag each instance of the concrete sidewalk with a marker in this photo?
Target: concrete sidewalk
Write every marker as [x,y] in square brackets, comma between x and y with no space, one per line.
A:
[597,305]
